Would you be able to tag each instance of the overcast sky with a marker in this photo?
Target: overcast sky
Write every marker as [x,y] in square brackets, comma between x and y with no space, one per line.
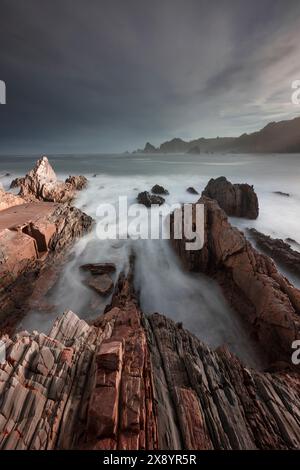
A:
[109,75]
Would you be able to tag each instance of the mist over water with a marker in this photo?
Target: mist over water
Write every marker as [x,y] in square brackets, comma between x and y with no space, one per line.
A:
[160,281]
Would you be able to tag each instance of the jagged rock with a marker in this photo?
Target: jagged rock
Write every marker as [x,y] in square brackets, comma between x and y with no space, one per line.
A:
[9,200]
[17,182]
[238,200]
[42,184]
[157,189]
[102,284]
[210,400]
[131,382]
[192,190]
[32,236]
[250,280]
[77,182]
[278,250]
[292,240]
[99,268]
[149,200]
[149,148]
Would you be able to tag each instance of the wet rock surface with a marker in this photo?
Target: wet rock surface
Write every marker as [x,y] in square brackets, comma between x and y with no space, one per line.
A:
[33,236]
[132,382]
[250,281]
[279,250]
[101,283]
[238,200]
[99,268]
[192,190]
[157,189]
[149,200]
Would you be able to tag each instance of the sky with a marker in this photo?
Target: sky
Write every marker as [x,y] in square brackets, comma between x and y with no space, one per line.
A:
[102,76]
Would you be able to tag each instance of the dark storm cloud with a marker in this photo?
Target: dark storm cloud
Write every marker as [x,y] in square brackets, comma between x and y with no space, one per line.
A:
[109,75]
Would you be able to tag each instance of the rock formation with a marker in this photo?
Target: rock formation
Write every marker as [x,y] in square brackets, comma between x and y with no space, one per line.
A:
[281,193]
[32,236]
[149,148]
[99,268]
[238,200]
[192,190]
[250,280]
[101,283]
[130,382]
[149,200]
[9,200]
[279,250]
[157,189]
[42,184]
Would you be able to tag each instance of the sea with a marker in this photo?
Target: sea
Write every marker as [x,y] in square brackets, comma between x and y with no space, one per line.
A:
[161,282]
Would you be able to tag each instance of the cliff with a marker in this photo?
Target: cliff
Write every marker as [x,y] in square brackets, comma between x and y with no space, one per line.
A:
[276,137]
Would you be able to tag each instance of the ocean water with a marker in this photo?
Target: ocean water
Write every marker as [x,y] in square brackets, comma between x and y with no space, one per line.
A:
[163,286]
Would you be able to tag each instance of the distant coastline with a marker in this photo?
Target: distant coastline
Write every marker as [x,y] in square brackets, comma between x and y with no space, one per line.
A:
[275,137]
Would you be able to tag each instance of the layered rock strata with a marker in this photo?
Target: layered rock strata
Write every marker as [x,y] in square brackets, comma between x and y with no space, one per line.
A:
[250,280]
[32,236]
[279,250]
[129,382]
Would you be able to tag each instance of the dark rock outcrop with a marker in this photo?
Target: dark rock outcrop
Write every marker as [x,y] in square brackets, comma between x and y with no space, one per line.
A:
[280,193]
[192,190]
[149,200]
[149,148]
[238,200]
[77,182]
[250,280]
[99,268]
[278,250]
[157,189]
[16,183]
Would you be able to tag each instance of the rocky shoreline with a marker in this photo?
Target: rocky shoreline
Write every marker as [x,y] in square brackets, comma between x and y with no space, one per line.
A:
[34,237]
[132,382]
[129,381]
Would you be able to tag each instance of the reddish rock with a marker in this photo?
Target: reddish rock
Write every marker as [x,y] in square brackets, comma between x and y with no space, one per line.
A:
[32,237]
[209,399]
[41,183]
[9,200]
[250,280]
[131,382]
[102,284]
[103,410]
[238,200]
